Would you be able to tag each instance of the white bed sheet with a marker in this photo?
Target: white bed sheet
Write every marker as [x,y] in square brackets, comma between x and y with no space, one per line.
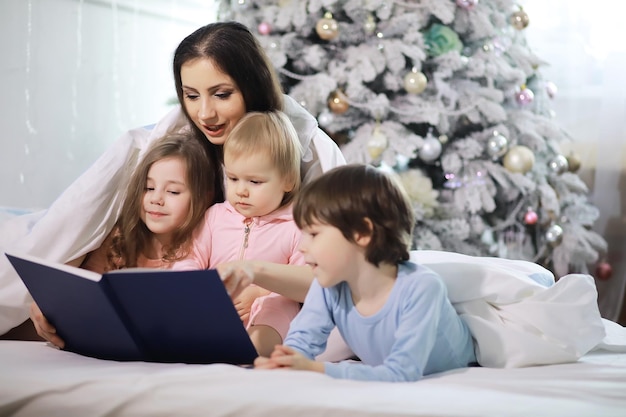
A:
[38,380]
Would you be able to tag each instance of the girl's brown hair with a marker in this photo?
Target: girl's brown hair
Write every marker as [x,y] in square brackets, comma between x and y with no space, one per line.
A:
[346,196]
[131,236]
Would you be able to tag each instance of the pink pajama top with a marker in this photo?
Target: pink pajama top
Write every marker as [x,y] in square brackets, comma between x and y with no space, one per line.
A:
[226,236]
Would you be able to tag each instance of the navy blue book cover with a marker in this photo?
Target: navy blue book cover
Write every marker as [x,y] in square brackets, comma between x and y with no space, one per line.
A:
[139,314]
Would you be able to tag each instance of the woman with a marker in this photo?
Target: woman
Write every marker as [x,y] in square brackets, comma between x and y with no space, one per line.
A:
[221,73]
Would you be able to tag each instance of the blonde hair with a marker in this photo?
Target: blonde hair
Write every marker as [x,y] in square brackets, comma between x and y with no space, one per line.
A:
[271,134]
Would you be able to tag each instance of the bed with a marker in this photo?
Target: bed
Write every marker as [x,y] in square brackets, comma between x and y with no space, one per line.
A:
[38,380]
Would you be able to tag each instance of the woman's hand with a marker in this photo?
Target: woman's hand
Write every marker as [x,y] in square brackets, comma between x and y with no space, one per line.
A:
[286,357]
[43,327]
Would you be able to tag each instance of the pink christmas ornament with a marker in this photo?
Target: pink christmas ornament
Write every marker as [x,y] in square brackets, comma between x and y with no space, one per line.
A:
[466,4]
[524,96]
[264,28]
[551,89]
[530,217]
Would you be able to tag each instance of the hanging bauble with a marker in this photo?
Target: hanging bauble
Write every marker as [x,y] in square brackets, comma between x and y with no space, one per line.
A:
[370,25]
[573,162]
[530,217]
[441,39]
[430,150]
[551,89]
[519,159]
[377,144]
[338,102]
[519,19]
[415,81]
[604,270]
[524,96]
[558,164]
[497,145]
[264,28]
[443,139]
[326,27]
[554,235]
[466,4]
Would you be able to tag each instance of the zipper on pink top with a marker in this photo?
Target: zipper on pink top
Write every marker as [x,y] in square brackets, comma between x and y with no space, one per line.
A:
[246,235]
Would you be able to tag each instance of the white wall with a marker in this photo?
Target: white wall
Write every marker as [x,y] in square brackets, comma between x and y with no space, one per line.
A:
[74,75]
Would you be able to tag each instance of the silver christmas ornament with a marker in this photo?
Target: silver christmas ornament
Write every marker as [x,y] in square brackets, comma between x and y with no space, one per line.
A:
[558,164]
[497,145]
[554,235]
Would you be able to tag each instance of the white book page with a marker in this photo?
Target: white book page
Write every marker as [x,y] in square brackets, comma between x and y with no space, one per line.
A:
[84,273]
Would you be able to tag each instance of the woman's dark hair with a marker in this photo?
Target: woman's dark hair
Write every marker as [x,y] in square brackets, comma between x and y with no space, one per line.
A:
[233,49]
[346,196]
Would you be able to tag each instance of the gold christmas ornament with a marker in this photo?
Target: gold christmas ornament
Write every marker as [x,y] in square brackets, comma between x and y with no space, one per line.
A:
[573,162]
[338,102]
[327,28]
[415,81]
[519,20]
[519,159]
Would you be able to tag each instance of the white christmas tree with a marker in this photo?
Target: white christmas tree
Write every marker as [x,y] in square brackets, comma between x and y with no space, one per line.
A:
[448,95]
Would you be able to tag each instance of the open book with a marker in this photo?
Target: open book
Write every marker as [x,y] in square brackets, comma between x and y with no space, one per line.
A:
[139,314]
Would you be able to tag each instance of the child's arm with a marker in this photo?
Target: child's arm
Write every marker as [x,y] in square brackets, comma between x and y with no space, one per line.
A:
[286,357]
[291,281]
[308,332]
[429,337]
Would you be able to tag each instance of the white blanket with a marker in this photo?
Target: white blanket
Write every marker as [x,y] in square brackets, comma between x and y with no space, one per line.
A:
[517,315]
[36,380]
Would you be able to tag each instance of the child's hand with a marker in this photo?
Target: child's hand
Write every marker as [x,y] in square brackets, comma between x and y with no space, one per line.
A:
[236,277]
[43,326]
[243,303]
[285,357]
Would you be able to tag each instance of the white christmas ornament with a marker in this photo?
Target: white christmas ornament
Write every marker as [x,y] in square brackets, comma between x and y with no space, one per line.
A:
[325,118]
[415,82]
[430,150]
[377,144]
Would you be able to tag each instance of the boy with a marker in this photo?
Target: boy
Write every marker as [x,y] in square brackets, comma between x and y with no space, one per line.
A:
[394,314]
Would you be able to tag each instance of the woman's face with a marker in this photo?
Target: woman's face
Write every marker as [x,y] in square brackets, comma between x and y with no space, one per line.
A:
[212,99]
